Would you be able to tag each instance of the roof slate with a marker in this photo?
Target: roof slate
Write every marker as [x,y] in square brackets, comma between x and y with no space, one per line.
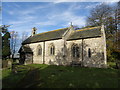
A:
[87,33]
[51,35]
[25,49]
[57,34]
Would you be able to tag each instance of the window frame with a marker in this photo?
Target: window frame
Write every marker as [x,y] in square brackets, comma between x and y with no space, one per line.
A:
[89,53]
[75,51]
[52,50]
[39,50]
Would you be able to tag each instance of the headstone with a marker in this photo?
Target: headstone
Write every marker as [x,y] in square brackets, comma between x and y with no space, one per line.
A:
[17,61]
[14,69]
[9,64]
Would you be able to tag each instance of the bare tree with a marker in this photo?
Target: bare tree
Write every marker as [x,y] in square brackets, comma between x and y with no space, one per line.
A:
[102,14]
[99,14]
[109,16]
[24,36]
[13,42]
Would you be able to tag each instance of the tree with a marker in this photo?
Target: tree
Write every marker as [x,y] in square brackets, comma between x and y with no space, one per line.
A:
[109,16]
[102,14]
[13,42]
[24,36]
[5,42]
[117,23]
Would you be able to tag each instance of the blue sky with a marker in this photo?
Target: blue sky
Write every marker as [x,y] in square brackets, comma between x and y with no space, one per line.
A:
[45,16]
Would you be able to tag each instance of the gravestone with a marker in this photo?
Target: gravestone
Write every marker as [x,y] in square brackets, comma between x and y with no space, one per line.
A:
[17,61]
[9,64]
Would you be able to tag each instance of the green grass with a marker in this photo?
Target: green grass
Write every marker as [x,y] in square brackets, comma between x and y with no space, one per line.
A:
[111,64]
[50,76]
[9,79]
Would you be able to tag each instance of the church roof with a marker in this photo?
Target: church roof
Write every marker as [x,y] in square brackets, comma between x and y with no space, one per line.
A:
[25,49]
[86,33]
[50,35]
[57,34]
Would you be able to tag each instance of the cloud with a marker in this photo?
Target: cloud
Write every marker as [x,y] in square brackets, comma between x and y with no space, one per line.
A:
[46,23]
[47,15]
[76,20]
[61,1]
[66,17]
[18,9]
[22,20]
[11,12]
[53,17]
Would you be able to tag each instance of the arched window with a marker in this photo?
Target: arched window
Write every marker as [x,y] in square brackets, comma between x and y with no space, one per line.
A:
[75,51]
[39,50]
[52,50]
[89,52]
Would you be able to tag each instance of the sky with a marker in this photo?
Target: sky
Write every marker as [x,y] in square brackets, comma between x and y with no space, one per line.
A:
[45,16]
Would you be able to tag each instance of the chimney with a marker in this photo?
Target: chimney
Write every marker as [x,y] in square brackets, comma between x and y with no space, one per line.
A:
[33,31]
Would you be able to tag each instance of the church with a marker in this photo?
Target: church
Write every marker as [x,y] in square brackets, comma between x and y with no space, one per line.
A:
[66,46]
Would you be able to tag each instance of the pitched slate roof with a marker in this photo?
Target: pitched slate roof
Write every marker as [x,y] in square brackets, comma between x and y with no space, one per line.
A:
[50,35]
[25,49]
[86,33]
[57,34]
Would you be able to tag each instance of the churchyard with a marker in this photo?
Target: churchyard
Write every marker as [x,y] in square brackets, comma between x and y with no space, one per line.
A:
[51,76]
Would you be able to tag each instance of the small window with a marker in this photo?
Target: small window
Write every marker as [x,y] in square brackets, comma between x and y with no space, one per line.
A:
[52,50]
[75,51]
[89,52]
[39,50]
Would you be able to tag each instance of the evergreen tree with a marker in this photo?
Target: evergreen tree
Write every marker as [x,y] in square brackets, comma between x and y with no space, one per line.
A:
[5,43]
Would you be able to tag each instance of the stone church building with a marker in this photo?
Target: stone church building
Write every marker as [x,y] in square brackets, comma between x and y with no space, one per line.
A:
[66,46]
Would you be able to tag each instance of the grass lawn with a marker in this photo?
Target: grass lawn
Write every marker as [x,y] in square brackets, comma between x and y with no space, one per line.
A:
[50,76]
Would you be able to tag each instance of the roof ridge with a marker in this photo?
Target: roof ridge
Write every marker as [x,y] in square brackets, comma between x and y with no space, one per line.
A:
[88,28]
[51,31]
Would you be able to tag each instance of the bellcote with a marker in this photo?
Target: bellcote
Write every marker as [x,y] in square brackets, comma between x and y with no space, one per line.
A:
[34,31]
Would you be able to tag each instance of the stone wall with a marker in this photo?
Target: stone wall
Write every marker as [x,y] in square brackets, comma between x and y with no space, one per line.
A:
[92,51]
[36,58]
[69,45]
[96,47]
[56,59]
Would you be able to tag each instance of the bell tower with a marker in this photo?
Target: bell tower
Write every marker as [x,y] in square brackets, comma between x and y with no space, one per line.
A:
[34,31]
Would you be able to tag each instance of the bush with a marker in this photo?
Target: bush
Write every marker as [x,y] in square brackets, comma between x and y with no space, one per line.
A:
[111,64]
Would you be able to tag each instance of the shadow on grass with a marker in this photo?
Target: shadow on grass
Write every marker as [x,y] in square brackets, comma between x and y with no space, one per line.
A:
[10,77]
[51,76]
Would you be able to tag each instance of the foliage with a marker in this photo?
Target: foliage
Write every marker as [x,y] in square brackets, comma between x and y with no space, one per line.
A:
[4,28]
[111,64]
[5,43]
[99,14]
[107,15]
[112,53]
[6,52]
[102,14]
[51,76]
